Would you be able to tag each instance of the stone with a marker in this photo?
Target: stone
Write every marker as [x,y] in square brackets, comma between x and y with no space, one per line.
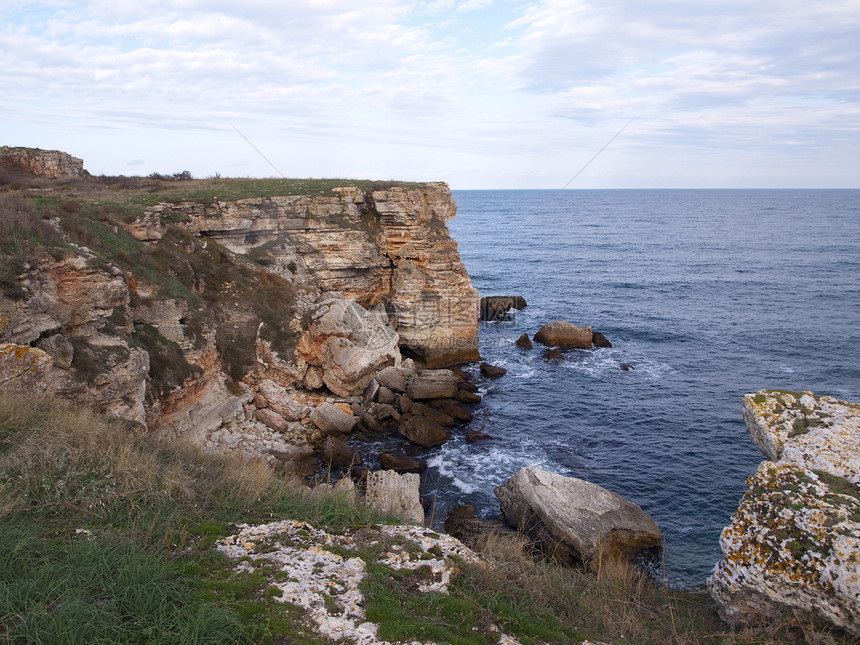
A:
[432,384]
[289,452]
[392,378]
[791,548]
[449,407]
[330,419]
[369,422]
[464,396]
[474,532]
[524,342]
[385,411]
[626,367]
[402,463]
[599,340]
[476,435]
[390,492]
[553,355]
[424,432]
[495,308]
[279,401]
[369,395]
[385,395]
[24,368]
[433,414]
[347,343]
[467,386]
[271,419]
[339,453]
[574,520]
[357,409]
[314,378]
[491,371]
[404,403]
[59,349]
[561,333]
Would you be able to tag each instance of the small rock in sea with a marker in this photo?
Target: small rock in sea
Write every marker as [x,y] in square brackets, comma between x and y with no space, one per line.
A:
[491,371]
[626,367]
[553,355]
[561,333]
[476,435]
[599,339]
[524,342]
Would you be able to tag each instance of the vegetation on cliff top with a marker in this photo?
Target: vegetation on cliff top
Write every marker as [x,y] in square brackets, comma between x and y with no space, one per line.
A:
[108,537]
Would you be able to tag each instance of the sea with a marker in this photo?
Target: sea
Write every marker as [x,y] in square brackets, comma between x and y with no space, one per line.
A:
[705,294]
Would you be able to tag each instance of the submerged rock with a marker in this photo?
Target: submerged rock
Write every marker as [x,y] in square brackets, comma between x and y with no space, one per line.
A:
[792,546]
[574,520]
[524,342]
[561,333]
[491,371]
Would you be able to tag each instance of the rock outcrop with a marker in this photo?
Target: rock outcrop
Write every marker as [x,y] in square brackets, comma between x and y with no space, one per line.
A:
[574,520]
[793,546]
[388,247]
[268,342]
[44,163]
[390,492]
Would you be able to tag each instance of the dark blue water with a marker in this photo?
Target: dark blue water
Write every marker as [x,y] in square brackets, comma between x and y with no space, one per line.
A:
[709,294]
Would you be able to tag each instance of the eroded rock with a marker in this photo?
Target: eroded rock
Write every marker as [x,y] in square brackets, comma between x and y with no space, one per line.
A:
[390,492]
[575,520]
[561,333]
[792,546]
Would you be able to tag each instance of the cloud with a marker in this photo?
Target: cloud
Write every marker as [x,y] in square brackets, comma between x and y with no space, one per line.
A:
[430,87]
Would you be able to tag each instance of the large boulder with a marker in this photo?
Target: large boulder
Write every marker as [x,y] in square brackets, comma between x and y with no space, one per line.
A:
[338,452]
[474,532]
[397,494]
[424,432]
[574,520]
[348,343]
[792,547]
[561,333]
[330,419]
[280,402]
[402,463]
[432,384]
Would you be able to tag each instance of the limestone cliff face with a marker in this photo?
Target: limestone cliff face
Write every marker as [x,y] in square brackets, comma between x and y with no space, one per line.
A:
[45,163]
[793,546]
[228,323]
[387,247]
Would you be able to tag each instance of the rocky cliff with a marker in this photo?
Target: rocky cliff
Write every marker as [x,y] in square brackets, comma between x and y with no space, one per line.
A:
[43,163]
[227,321]
[793,547]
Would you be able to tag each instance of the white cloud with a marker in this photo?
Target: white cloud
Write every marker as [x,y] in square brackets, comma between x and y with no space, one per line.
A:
[446,89]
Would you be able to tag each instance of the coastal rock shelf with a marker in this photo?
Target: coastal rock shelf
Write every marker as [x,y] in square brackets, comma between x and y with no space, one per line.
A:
[793,546]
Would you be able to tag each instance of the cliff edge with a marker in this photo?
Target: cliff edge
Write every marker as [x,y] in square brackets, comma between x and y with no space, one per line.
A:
[227,310]
[793,546]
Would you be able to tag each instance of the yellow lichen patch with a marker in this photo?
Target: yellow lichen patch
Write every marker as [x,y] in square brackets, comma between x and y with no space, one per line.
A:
[24,368]
[793,544]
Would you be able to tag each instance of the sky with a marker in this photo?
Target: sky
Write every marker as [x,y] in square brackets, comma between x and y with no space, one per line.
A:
[477,93]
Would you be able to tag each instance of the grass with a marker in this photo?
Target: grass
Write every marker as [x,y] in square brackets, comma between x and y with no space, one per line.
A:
[145,570]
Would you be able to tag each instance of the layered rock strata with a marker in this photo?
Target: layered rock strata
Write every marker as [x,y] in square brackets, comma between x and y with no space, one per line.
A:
[44,163]
[793,546]
[388,247]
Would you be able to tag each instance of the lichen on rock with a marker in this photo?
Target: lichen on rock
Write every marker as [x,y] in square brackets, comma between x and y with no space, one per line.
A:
[793,546]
